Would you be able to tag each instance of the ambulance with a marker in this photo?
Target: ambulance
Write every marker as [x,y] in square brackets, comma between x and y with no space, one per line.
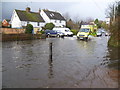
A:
[85,31]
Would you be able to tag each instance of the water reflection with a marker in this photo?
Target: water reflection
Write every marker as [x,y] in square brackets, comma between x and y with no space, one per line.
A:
[50,62]
[50,74]
[87,46]
[72,61]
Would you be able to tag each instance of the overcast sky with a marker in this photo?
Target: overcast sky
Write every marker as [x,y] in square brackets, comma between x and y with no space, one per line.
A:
[76,8]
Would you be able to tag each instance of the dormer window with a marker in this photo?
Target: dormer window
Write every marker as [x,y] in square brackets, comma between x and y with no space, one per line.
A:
[52,14]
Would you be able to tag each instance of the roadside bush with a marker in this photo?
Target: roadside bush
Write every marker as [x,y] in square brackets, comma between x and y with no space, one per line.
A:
[29,29]
[74,31]
[42,32]
[93,34]
[49,26]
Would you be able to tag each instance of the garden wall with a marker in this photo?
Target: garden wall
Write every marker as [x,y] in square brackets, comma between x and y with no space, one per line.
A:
[11,31]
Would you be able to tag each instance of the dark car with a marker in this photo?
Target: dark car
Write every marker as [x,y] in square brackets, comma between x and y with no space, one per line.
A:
[59,34]
[51,33]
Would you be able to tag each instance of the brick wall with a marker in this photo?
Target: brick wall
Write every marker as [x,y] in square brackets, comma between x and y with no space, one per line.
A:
[11,31]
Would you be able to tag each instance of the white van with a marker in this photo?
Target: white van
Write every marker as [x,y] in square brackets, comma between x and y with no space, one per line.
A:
[66,31]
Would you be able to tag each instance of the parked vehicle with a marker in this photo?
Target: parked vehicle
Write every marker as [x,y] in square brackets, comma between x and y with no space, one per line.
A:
[106,34]
[99,33]
[103,31]
[51,33]
[59,34]
[66,31]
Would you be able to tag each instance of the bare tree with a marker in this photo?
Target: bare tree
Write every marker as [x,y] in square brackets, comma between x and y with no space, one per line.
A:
[89,19]
[66,16]
[77,19]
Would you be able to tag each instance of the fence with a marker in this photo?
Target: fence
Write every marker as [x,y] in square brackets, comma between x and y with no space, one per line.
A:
[21,37]
[11,31]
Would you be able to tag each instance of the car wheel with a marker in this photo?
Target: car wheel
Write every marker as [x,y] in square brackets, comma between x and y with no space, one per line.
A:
[62,36]
[71,35]
[86,38]
[58,35]
[48,35]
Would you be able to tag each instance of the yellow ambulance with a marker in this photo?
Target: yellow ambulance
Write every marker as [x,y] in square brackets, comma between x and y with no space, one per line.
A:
[85,31]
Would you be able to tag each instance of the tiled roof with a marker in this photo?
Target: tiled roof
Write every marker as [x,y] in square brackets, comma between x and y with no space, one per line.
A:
[54,15]
[7,20]
[29,16]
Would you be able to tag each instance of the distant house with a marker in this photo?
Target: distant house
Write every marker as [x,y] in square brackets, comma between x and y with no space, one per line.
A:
[53,17]
[6,23]
[21,18]
[107,20]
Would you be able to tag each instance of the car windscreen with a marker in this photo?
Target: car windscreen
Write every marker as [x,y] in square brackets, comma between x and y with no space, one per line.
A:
[50,31]
[84,30]
[53,31]
[99,31]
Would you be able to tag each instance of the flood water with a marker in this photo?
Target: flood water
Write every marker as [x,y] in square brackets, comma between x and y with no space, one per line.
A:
[74,63]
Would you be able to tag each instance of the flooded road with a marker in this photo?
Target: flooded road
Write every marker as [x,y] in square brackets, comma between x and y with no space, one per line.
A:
[74,64]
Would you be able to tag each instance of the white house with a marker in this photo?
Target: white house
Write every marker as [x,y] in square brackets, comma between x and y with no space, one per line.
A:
[53,17]
[20,18]
[107,20]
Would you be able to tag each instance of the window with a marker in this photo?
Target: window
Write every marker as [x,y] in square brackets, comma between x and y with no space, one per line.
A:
[60,21]
[38,24]
[84,30]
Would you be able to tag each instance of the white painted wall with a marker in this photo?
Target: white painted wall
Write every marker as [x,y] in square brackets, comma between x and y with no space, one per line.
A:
[15,21]
[24,23]
[42,24]
[107,20]
[57,23]
[35,24]
[44,16]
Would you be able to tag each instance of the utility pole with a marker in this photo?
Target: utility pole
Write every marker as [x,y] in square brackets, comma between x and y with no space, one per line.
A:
[114,13]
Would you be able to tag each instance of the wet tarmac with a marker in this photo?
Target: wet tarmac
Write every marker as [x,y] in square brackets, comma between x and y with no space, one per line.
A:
[73,64]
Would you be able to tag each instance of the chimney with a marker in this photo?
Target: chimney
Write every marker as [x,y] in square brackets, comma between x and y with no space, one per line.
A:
[28,9]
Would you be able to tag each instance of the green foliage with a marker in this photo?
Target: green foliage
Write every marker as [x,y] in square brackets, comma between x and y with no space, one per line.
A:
[29,29]
[30,15]
[42,32]
[93,34]
[74,31]
[97,22]
[49,26]
[104,25]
